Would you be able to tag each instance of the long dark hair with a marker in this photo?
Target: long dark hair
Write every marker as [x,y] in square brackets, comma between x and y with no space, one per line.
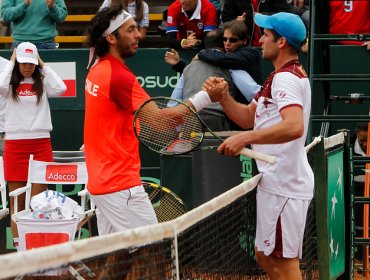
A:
[17,78]
[99,23]
[139,7]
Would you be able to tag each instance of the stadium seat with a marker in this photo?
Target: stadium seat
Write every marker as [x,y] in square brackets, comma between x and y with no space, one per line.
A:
[68,156]
[51,173]
[4,210]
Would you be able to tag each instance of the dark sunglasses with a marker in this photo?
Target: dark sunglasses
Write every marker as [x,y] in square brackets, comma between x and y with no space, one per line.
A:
[231,40]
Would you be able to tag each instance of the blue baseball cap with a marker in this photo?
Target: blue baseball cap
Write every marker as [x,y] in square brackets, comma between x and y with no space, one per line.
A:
[287,25]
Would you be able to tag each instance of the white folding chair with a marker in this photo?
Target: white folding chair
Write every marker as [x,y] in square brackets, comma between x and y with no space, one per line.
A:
[4,210]
[68,156]
[51,173]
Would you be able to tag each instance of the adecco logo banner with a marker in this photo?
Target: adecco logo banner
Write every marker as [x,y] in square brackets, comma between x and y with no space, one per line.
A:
[61,173]
[67,71]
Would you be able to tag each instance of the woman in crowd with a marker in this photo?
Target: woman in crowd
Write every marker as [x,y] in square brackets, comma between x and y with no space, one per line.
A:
[139,10]
[26,82]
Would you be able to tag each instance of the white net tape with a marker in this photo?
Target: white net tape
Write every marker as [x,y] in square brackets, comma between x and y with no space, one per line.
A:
[54,256]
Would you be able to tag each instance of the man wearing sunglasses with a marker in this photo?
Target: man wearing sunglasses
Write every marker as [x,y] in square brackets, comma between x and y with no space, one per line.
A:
[196,72]
[240,58]
[238,55]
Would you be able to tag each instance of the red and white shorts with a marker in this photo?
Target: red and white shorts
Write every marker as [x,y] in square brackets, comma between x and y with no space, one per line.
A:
[280,225]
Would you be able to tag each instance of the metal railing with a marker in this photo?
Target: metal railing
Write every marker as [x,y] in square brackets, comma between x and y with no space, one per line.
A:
[75,39]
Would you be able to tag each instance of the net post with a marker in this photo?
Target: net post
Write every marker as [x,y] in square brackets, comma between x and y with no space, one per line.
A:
[349,201]
[365,255]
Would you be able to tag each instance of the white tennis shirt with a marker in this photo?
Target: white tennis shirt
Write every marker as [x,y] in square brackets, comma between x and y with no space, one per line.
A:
[291,175]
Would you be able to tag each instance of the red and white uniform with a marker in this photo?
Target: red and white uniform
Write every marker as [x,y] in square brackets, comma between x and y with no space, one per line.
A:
[204,19]
[350,17]
[291,176]
[112,94]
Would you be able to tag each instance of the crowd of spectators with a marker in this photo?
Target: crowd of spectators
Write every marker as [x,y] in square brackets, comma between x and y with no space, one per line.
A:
[187,21]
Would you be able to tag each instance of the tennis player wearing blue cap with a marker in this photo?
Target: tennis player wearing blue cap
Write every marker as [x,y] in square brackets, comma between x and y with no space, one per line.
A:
[279,114]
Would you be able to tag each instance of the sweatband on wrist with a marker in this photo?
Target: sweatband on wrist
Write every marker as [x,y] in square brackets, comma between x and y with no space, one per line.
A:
[200,100]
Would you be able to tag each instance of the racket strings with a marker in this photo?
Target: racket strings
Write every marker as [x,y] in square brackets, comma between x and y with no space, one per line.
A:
[166,204]
[176,130]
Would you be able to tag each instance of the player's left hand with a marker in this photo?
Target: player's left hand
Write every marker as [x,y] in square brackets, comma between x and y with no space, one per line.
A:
[233,144]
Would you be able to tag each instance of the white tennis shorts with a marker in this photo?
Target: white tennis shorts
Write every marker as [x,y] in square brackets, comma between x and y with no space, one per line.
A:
[123,210]
[280,225]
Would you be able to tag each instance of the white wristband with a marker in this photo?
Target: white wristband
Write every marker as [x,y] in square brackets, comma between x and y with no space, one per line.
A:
[200,100]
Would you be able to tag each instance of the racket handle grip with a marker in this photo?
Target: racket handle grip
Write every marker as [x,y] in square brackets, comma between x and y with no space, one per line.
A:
[256,155]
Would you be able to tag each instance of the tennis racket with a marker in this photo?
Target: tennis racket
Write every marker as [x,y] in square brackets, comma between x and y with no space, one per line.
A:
[176,130]
[167,205]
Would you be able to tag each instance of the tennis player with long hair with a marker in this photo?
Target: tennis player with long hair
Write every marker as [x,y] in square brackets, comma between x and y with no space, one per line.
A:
[112,95]
[280,115]
[26,83]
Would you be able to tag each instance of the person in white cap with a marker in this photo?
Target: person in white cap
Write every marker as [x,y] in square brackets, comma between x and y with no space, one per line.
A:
[112,95]
[280,115]
[26,83]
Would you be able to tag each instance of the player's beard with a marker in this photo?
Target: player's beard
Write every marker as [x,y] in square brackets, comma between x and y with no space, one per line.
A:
[125,49]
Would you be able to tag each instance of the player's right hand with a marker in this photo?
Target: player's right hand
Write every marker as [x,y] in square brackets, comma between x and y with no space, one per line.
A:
[219,90]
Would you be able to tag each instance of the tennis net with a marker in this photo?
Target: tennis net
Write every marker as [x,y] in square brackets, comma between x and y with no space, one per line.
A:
[212,241]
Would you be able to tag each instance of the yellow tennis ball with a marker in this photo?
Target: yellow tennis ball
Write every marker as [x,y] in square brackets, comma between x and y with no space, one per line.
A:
[193,135]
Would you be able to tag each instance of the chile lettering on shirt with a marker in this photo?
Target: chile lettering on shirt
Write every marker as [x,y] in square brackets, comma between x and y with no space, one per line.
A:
[26,90]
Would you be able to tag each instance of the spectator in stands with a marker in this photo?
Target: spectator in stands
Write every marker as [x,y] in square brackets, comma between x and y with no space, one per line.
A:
[245,9]
[359,146]
[139,9]
[26,83]
[34,21]
[198,71]
[349,17]
[188,21]
[239,54]
[359,140]
[302,8]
